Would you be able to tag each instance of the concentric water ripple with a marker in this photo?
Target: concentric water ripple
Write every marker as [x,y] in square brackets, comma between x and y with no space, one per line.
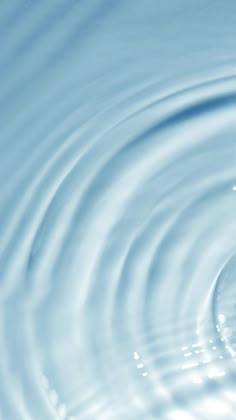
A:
[118,205]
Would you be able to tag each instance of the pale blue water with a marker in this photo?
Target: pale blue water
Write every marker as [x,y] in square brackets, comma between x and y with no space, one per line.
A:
[118,210]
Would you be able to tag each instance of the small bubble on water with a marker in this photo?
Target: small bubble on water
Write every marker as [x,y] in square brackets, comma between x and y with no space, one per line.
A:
[222,318]
[139,365]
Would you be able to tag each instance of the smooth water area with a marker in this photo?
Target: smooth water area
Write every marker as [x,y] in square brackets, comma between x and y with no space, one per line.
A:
[118,210]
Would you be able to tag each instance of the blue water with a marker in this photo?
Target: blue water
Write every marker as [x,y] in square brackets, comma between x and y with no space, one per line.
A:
[118,210]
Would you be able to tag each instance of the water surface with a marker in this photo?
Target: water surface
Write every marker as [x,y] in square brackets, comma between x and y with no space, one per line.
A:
[118,204]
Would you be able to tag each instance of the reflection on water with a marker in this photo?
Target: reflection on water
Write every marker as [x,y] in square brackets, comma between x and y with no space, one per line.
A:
[225,305]
[117,218]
